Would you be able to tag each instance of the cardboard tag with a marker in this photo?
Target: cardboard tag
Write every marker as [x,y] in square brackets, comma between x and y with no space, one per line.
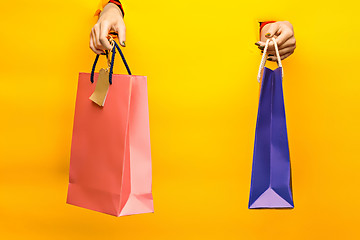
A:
[101,88]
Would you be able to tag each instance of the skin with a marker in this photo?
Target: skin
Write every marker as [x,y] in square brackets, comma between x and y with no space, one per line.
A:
[110,19]
[283,32]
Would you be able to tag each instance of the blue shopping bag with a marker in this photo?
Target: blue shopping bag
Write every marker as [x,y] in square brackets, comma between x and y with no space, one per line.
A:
[271,174]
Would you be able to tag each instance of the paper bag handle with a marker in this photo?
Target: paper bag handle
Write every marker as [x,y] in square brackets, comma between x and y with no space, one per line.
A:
[264,56]
[115,46]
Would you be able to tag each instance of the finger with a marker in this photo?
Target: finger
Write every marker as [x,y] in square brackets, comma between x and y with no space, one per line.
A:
[291,42]
[282,51]
[92,47]
[104,32]
[261,45]
[94,41]
[274,58]
[96,34]
[121,31]
[281,39]
[286,56]
[284,36]
[273,29]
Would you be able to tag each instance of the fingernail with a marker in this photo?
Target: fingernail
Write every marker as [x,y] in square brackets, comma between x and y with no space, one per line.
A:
[270,55]
[267,35]
[257,44]
[123,43]
[261,47]
[269,59]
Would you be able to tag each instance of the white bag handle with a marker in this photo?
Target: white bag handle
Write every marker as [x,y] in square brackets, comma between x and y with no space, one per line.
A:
[263,61]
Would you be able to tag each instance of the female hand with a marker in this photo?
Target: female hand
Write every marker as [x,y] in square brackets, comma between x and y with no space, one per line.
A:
[110,19]
[283,32]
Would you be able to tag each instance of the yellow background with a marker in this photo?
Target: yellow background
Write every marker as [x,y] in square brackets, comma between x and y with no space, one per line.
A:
[201,64]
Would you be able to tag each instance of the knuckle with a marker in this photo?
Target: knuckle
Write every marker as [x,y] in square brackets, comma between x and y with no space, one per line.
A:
[104,24]
[286,22]
[101,40]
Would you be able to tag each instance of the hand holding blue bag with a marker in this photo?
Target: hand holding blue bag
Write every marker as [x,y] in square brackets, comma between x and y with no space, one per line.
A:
[271,174]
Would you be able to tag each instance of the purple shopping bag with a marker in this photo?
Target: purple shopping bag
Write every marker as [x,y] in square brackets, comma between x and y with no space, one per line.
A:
[271,174]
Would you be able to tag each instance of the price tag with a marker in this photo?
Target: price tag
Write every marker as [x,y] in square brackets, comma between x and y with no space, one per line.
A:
[101,88]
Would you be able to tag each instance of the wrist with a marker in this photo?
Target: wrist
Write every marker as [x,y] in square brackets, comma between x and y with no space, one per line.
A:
[111,8]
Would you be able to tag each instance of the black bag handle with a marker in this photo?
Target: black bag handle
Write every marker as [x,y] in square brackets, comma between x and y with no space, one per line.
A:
[116,46]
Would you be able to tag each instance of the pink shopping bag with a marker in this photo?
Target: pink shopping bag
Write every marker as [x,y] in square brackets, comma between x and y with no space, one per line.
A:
[110,162]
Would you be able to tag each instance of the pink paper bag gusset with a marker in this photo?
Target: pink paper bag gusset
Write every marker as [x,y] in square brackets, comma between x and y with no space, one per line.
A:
[110,162]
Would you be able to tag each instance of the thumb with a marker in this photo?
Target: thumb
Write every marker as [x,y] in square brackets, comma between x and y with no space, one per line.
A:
[120,28]
[272,30]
